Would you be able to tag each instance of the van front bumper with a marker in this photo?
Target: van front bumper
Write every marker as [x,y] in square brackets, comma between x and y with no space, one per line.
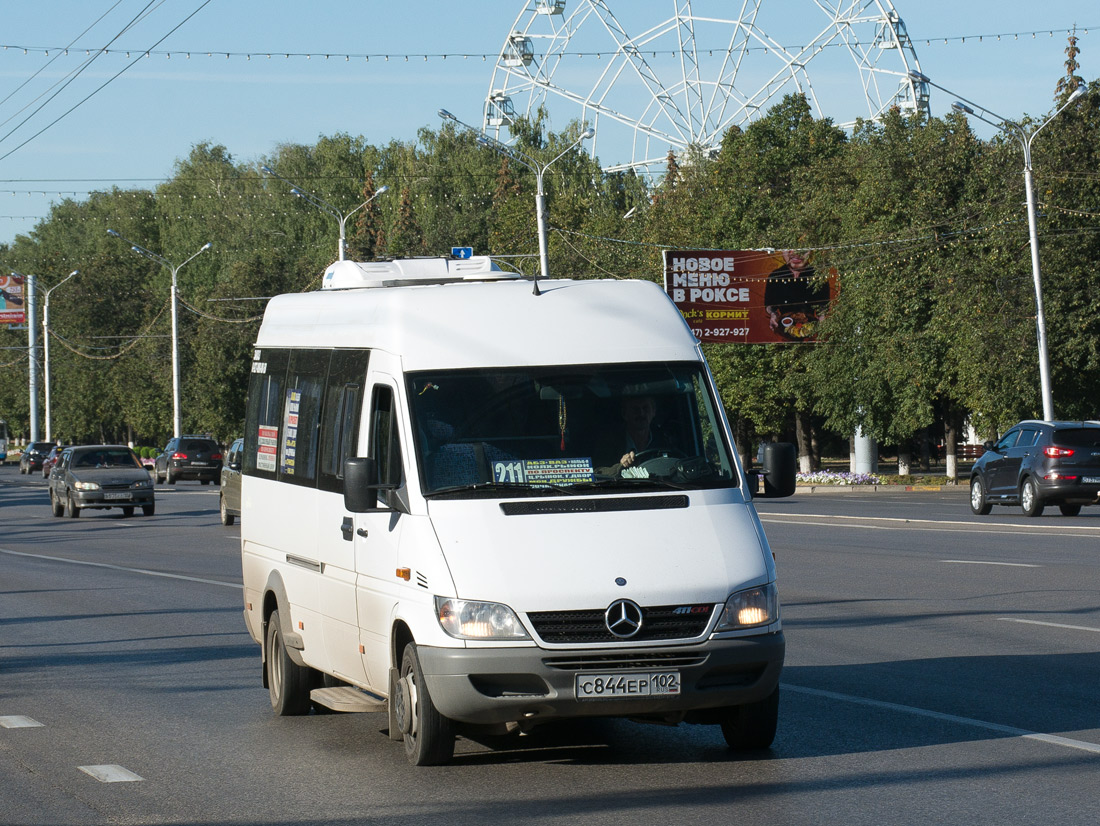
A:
[502,685]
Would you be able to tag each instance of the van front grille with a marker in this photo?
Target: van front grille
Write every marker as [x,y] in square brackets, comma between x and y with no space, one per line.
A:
[664,622]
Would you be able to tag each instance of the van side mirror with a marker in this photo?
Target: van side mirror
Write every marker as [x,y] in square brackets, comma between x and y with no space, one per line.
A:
[361,485]
[779,470]
[360,491]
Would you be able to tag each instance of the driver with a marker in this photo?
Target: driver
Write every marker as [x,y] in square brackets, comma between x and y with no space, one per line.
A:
[639,432]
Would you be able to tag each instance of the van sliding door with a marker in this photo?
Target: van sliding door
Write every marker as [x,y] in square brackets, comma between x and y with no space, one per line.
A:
[338,441]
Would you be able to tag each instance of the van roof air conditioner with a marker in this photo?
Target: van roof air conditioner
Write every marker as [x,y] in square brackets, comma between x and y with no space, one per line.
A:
[348,275]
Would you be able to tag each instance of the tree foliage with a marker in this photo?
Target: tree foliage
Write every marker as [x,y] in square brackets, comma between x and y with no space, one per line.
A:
[923,222]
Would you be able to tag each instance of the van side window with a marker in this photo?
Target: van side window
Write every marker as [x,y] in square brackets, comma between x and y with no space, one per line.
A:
[340,417]
[263,417]
[385,443]
[302,416]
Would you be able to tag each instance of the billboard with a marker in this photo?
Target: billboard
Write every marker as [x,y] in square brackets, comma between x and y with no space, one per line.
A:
[12,309]
[749,296]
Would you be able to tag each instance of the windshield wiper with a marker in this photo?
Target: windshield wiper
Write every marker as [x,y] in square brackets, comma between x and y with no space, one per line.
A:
[497,487]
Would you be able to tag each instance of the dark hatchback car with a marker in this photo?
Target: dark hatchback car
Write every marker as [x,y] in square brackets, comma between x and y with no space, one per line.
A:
[189,457]
[33,456]
[100,476]
[1036,464]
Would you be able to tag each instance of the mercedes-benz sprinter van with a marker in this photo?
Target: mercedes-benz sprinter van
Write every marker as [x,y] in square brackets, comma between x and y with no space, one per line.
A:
[479,506]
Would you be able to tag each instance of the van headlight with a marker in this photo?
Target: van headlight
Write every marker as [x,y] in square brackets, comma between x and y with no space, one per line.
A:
[469,620]
[750,608]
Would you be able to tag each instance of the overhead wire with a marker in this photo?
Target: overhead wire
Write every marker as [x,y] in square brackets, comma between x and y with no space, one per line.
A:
[72,75]
[49,62]
[401,58]
[99,88]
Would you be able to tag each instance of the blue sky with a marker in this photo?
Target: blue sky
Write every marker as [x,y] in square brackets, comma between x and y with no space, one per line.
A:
[131,132]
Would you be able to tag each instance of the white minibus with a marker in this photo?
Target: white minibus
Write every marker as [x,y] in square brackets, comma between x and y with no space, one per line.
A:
[482,507]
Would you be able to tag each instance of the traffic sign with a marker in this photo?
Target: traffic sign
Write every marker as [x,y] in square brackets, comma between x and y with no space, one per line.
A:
[462,252]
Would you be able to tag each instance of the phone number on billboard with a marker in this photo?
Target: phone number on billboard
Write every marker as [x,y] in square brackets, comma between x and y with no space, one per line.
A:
[720,332]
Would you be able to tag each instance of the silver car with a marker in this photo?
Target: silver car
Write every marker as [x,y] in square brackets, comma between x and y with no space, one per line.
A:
[100,476]
[229,498]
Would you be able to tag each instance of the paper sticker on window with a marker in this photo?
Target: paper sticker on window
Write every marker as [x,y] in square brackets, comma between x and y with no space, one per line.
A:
[267,442]
[290,429]
[543,472]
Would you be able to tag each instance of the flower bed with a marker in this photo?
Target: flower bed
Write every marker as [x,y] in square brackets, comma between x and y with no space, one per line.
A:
[833,477]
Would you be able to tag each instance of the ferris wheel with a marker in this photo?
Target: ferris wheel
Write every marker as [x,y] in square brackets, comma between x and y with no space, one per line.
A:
[649,82]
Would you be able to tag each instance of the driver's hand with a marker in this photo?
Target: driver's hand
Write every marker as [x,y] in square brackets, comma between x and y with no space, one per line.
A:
[627,460]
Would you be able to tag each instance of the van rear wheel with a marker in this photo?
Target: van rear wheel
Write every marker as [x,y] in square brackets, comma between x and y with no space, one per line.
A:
[751,727]
[287,682]
[429,736]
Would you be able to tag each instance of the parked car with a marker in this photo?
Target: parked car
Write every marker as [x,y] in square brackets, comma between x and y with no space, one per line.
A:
[100,476]
[51,459]
[229,498]
[33,456]
[1036,464]
[189,457]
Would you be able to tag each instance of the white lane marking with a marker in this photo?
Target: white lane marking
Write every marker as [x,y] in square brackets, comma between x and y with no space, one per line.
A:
[143,571]
[19,721]
[1050,624]
[984,562]
[111,773]
[986,526]
[1052,739]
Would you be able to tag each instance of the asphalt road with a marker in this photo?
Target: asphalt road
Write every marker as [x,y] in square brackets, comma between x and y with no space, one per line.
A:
[941,668]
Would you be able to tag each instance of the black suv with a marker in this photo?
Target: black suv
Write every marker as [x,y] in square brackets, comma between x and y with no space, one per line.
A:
[33,456]
[1036,464]
[189,457]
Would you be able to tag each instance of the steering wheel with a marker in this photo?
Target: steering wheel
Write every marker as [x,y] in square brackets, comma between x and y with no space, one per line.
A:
[641,456]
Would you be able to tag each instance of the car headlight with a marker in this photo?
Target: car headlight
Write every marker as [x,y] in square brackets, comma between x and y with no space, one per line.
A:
[468,620]
[142,484]
[86,485]
[750,608]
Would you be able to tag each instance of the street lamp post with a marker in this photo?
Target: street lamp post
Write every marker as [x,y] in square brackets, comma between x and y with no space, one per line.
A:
[46,348]
[539,169]
[1017,131]
[31,299]
[325,206]
[177,423]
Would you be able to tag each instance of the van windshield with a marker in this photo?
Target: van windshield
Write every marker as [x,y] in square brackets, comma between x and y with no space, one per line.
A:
[571,429]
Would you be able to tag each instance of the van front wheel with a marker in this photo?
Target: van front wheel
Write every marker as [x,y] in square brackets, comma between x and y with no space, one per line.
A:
[287,682]
[751,727]
[429,736]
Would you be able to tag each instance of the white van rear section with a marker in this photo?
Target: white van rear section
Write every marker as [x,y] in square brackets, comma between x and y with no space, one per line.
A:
[438,511]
